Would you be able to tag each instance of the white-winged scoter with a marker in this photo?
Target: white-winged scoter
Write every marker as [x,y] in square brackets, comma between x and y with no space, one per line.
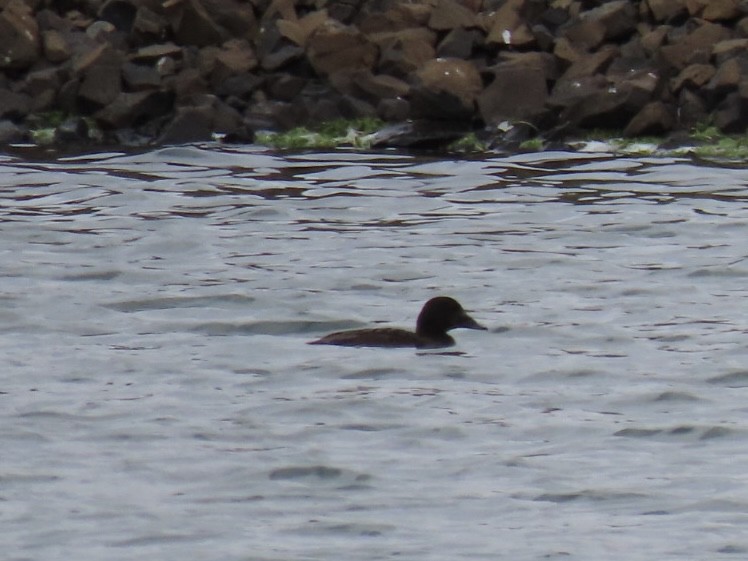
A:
[437,316]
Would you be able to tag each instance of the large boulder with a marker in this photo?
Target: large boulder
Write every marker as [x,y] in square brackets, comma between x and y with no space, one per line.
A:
[518,92]
[403,52]
[334,47]
[20,44]
[666,10]
[99,72]
[449,14]
[446,89]
[131,109]
[14,105]
[694,47]
[654,118]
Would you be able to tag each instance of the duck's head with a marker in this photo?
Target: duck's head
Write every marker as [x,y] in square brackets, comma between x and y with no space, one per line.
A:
[441,314]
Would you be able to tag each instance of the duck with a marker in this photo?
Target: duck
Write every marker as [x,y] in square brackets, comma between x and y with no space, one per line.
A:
[438,316]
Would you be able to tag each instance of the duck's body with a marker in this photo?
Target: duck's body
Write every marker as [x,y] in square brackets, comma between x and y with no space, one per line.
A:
[437,316]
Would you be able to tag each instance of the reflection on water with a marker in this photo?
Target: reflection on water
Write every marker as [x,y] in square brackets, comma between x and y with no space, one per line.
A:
[159,399]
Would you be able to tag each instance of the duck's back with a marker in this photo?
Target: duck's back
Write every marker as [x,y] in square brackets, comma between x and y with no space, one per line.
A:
[377,337]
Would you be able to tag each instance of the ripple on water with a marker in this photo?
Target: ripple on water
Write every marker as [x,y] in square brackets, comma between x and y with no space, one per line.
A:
[159,398]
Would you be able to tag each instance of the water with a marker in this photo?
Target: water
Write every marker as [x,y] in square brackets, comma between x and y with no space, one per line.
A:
[159,400]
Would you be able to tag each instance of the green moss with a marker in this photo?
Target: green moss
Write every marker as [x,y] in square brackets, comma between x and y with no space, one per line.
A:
[532,145]
[325,135]
[468,144]
[48,119]
[712,143]
[730,147]
[705,132]
[43,136]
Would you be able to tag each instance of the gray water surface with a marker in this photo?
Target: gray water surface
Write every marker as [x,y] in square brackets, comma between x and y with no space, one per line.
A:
[158,399]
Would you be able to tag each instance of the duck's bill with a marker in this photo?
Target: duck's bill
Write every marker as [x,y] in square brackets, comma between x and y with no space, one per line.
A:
[469,323]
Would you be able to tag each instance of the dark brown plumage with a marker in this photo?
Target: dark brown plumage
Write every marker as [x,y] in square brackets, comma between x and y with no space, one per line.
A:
[437,316]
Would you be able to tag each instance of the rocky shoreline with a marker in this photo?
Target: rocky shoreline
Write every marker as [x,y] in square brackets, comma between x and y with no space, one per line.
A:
[139,72]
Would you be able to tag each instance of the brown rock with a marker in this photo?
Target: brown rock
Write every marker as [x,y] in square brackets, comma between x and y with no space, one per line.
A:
[343,10]
[374,88]
[721,10]
[618,17]
[566,51]
[625,68]
[695,7]
[732,116]
[279,9]
[640,87]
[156,51]
[193,24]
[282,57]
[591,64]
[186,84]
[375,22]
[731,48]
[403,52]
[507,26]
[227,120]
[120,13]
[235,57]
[741,27]
[47,20]
[139,77]
[460,78]
[166,66]
[100,72]
[449,14]
[459,43]
[103,31]
[652,40]
[11,132]
[334,47]
[654,118]
[67,97]
[83,62]
[284,87]
[14,105]
[728,76]
[55,46]
[518,92]
[567,93]
[545,61]
[406,15]
[585,34]
[236,16]
[190,124]
[695,47]
[605,108]
[438,106]
[393,110]
[611,21]
[269,115]
[666,10]
[354,108]
[20,45]
[298,31]
[693,76]
[691,109]
[149,24]
[134,109]
[100,86]
[323,110]
[240,86]
[42,86]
